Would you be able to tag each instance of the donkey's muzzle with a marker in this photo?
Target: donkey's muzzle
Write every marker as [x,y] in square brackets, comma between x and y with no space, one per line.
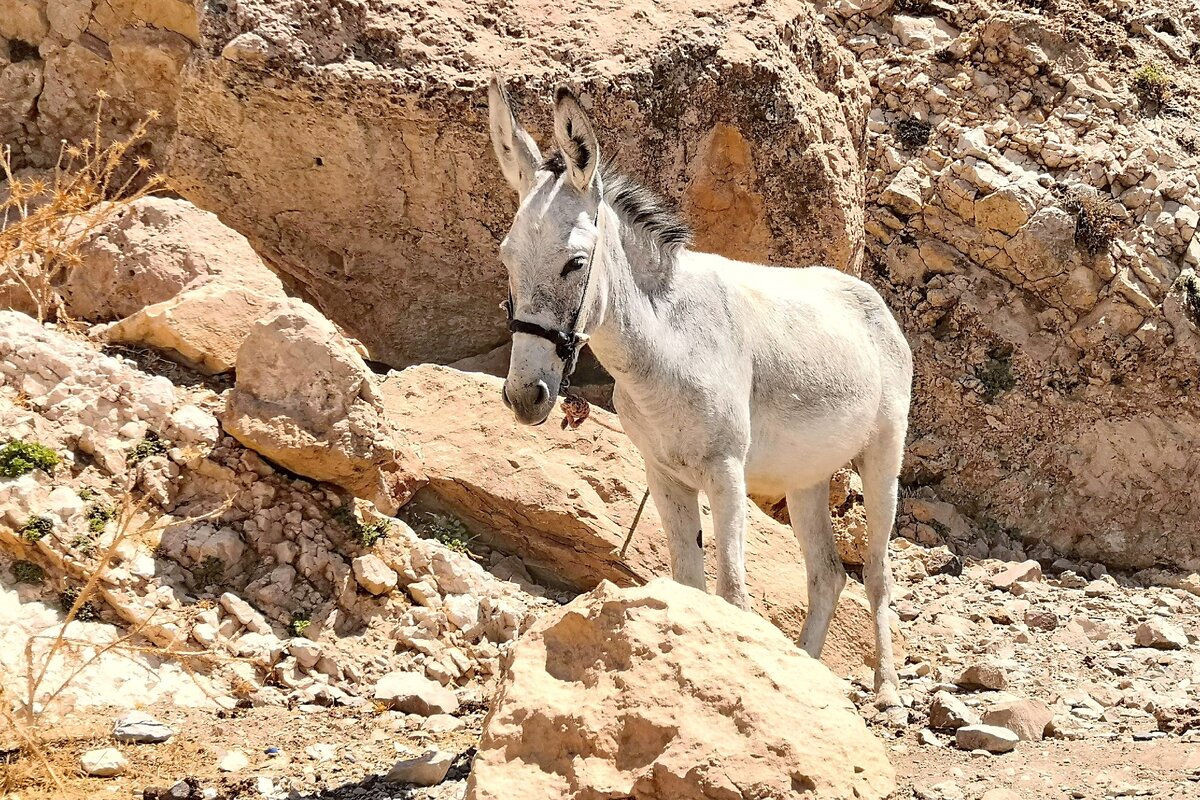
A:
[531,403]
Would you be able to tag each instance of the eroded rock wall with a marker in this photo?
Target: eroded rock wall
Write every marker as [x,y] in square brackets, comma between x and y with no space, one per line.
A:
[348,141]
[56,55]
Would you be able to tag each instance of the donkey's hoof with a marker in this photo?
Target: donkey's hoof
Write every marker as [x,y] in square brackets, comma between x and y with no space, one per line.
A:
[887,700]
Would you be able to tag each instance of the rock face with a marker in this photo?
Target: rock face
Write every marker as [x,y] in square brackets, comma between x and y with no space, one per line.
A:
[564,500]
[305,399]
[55,57]
[366,176]
[1038,242]
[149,251]
[662,691]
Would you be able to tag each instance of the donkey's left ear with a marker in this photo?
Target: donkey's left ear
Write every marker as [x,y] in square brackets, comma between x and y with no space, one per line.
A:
[576,138]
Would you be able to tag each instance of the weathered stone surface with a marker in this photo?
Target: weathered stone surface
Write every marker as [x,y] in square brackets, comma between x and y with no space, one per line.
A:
[608,697]
[984,675]
[366,175]
[415,694]
[138,726]
[564,501]
[428,769]
[104,763]
[374,575]
[1160,634]
[948,712]
[985,737]
[150,250]
[1028,719]
[202,327]
[305,399]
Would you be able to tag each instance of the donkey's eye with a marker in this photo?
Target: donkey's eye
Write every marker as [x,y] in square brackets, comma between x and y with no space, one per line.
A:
[572,265]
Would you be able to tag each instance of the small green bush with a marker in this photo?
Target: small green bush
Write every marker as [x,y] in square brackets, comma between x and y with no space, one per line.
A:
[18,457]
[36,528]
[86,613]
[299,625]
[1151,84]
[98,516]
[151,445]
[997,377]
[450,531]
[28,572]
[210,572]
[366,535]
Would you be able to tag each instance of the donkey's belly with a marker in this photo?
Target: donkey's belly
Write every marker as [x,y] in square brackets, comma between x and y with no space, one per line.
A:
[796,455]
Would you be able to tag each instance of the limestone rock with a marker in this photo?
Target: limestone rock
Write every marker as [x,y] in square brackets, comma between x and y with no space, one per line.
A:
[1025,572]
[922,33]
[428,769]
[305,399]
[985,737]
[415,694]
[138,726]
[948,712]
[349,196]
[984,675]
[201,327]
[906,193]
[233,761]
[564,500]
[1160,634]
[626,692]
[1026,718]
[149,251]
[104,763]
[374,575]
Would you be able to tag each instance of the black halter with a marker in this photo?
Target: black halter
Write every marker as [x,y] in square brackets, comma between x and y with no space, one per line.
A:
[567,343]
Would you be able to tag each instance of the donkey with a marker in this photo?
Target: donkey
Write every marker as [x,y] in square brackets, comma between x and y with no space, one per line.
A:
[730,377]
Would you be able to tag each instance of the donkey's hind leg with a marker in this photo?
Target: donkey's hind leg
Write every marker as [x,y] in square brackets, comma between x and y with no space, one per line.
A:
[809,510]
[879,467]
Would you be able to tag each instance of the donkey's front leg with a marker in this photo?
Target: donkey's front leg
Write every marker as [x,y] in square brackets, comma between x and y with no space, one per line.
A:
[726,492]
[679,508]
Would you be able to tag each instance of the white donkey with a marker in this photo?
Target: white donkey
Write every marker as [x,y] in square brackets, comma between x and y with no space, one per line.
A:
[730,377]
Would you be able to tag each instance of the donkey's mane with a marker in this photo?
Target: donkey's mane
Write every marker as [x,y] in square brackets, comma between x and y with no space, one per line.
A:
[635,204]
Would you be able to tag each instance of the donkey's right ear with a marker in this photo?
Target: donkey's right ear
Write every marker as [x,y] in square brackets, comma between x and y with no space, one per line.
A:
[515,149]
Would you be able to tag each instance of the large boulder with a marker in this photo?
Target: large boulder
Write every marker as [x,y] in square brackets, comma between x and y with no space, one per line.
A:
[305,400]
[564,500]
[138,254]
[352,147]
[662,691]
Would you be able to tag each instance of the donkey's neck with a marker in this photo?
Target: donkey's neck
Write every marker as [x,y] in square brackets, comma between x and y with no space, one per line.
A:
[634,281]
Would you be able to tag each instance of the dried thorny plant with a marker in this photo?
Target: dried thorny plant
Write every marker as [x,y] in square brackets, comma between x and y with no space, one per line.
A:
[21,713]
[1096,223]
[44,221]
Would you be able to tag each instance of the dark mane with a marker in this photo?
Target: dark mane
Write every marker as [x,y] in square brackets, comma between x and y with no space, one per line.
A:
[635,204]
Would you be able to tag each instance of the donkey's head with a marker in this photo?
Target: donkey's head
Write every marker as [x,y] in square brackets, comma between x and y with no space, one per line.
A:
[549,248]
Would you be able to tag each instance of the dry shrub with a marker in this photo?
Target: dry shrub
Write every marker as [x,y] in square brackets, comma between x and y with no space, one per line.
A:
[1096,221]
[43,222]
[22,706]
[1151,84]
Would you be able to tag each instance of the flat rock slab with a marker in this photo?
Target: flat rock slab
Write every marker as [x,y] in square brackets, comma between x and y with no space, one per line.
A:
[415,694]
[428,769]
[991,738]
[138,726]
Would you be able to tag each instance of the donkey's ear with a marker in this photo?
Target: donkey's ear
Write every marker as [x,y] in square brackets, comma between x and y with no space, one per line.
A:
[515,149]
[576,138]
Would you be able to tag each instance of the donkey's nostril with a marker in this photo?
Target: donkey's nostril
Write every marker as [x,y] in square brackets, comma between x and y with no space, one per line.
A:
[504,396]
[543,393]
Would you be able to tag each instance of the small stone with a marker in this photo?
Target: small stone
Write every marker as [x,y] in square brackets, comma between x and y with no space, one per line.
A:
[321,752]
[948,712]
[1098,588]
[104,763]
[1025,572]
[428,769]
[306,652]
[415,694]
[929,738]
[1160,634]
[982,676]
[991,738]
[442,723]
[374,575]
[138,726]
[233,761]
[1041,619]
[1026,718]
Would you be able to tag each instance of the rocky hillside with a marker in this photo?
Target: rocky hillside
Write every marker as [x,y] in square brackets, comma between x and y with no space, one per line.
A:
[251,545]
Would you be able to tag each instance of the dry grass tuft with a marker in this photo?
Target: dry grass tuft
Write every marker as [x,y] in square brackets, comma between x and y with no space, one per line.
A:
[44,222]
[1096,222]
[1151,84]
